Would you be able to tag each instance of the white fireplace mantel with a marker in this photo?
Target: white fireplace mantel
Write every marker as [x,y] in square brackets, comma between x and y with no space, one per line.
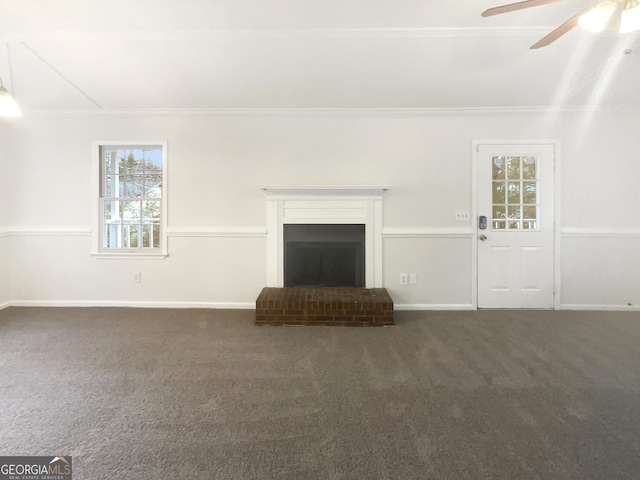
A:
[324,205]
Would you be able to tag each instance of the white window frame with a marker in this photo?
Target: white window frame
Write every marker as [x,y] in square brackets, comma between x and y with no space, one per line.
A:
[97,214]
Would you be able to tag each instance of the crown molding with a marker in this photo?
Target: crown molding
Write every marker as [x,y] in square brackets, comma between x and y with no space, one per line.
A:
[288,33]
[321,111]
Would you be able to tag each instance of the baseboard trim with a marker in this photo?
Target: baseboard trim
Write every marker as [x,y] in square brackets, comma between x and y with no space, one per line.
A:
[600,306]
[252,305]
[433,306]
[132,304]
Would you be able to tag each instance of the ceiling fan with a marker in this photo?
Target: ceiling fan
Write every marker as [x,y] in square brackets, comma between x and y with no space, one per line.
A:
[622,15]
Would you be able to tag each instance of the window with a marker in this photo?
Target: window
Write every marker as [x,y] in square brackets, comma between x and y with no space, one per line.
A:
[131,210]
[515,193]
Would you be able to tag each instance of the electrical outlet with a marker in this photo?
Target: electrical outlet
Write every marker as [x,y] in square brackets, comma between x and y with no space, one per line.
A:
[404,279]
[413,278]
[462,216]
[137,277]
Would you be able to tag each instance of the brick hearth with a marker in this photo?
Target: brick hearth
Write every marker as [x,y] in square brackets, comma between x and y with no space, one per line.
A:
[334,306]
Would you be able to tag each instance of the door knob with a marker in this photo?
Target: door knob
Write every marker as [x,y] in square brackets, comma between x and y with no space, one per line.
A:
[482,237]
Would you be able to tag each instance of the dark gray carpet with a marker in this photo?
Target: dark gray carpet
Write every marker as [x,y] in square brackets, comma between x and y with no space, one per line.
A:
[205,394]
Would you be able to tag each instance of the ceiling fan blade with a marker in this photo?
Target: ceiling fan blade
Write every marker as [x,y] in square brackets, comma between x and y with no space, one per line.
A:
[512,7]
[560,31]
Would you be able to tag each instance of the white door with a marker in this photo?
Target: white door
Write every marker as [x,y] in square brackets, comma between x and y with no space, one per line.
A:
[515,251]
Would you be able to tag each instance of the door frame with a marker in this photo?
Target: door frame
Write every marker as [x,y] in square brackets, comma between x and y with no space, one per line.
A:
[475,147]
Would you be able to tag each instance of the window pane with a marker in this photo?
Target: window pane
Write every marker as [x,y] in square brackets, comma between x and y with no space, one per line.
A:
[513,168]
[529,195]
[498,225]
[514,192]
[530,212]
[498,168]
[112,211]
[156,236]
[530,225]
[498,192]
[514,212]
[153,160]
[109,186]
[529,168]
[499,212]
[132,161]
[134,186]
[151,210]
[109,162]
[132,210]
[514,225]
[133,239]
[113,234]
[153,186]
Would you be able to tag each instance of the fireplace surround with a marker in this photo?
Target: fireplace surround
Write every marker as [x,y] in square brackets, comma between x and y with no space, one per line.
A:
[315,205]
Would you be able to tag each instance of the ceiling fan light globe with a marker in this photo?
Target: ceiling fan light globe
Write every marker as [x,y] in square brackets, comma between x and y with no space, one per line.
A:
[630,19]
[8,106]
[596,19]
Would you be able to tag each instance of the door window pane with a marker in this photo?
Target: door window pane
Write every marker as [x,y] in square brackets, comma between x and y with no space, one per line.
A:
[513,168]
[529,168]
[514,212]
[498,168]
[499,224]
[529,192]
[498,192]
[514,192]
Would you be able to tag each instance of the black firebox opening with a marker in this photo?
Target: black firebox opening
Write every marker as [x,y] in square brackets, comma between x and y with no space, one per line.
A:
[324,255]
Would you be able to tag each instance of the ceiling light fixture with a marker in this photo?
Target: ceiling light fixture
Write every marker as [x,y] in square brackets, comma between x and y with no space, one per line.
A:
[8,106]
[597,18]
[630,17]
[625,14]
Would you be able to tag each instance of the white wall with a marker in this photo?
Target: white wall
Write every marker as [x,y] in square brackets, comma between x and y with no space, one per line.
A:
[216,162]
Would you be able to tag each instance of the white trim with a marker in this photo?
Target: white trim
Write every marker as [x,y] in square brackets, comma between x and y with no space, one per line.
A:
[251,305]
[319,204]
[132,304]
[557,226]
[36,231]
[305,191]
[475,146]
[433,306]
[42,231]
[337,111]
[130,256]
[234,232]
[600,232]
[288,33]
[426,232]
[599,307]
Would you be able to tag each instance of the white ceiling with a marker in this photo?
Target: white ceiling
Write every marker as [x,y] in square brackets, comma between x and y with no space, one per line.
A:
[208,54]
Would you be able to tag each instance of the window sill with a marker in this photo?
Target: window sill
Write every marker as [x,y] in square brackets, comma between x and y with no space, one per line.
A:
[132,256]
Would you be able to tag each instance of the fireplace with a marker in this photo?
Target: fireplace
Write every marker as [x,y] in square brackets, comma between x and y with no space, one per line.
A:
[326,255]
[324,258]
[343,205]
